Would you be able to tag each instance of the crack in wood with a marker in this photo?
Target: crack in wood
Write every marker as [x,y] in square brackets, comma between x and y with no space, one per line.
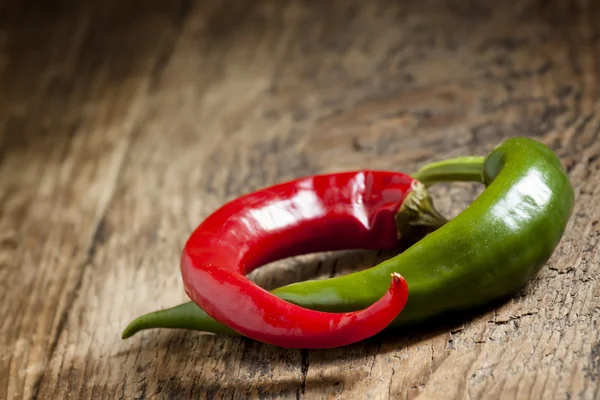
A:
[512,318]
[97,240]
[304,365]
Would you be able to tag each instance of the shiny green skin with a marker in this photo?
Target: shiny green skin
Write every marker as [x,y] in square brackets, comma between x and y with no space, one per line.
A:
[487,252]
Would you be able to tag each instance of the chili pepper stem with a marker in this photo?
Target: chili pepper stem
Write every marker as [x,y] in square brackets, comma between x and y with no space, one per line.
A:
[417,210]
[464,169]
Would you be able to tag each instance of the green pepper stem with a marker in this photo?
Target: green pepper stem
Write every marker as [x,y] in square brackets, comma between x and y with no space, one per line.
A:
[465,169]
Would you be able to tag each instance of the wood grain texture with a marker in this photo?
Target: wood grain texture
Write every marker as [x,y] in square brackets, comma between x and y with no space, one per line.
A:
[125,123]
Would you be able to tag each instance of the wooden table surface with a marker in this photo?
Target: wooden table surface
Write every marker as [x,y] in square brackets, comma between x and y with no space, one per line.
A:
[124,124]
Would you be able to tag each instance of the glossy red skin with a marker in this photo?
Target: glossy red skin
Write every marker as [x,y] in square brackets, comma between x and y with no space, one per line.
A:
[350,210]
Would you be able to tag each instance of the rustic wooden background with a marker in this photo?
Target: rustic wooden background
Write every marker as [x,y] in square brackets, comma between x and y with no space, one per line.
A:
[125,123]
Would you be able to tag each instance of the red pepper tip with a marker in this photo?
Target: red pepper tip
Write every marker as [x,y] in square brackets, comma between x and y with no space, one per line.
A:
[397,277]
[399,284]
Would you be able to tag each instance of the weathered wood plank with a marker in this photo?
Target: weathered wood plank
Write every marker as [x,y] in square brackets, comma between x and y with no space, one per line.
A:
[123,125]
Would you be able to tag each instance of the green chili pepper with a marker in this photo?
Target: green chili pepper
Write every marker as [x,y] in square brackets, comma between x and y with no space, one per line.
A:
[486,253]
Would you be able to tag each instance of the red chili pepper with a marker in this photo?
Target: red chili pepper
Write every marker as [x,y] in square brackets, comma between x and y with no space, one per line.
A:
[350,210]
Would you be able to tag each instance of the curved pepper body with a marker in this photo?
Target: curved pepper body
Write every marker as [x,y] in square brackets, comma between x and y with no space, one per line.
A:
[488,251]
[326,212]
[319,213]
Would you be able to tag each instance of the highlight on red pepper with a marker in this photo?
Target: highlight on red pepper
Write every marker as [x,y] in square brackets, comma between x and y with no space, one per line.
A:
[489,251]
